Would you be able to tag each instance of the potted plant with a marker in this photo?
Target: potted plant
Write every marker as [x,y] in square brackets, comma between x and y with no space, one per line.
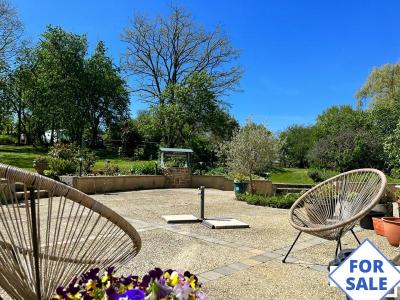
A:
[41,164]
[239,183]
[391,227]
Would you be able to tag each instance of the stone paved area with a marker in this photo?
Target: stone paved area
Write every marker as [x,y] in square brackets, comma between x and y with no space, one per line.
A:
[232,263]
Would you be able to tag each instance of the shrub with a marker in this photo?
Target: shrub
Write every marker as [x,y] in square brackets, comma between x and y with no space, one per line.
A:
[277,201]
[65,159]
[144,168]
[319,175]
[110,169]
[395,173]
[7,140]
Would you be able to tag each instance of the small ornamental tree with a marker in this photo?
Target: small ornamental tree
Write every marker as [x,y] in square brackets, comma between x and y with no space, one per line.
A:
[252,150]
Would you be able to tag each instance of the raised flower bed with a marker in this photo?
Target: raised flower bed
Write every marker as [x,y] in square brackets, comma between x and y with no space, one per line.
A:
[155,285]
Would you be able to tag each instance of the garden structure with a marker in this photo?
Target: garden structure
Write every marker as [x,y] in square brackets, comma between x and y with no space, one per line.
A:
[51,232]
[175,153]
[333,207]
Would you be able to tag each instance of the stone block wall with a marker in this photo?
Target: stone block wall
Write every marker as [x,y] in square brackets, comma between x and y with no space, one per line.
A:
[178,177]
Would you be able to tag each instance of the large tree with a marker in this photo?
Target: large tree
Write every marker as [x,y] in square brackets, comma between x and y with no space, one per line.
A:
[10,33]
[382,92]
[107,95]
[167,50]
[346,139]
[60,79]
[295,142]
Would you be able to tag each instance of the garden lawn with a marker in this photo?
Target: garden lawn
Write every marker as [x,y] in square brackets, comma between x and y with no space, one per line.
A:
[290,175]
[20,156]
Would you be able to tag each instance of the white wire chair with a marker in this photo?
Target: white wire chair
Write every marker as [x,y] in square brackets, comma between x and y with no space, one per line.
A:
[50,232]
[332,208]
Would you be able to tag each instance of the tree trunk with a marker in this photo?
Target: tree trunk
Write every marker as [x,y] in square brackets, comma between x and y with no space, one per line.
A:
[251,184]
[95,127]
[19,116]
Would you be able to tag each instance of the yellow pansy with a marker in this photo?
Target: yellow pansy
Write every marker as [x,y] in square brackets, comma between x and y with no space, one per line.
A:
[174,278]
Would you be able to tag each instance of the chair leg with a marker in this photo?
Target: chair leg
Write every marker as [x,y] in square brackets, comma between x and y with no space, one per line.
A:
[338,245]
[291,247]
[358,241]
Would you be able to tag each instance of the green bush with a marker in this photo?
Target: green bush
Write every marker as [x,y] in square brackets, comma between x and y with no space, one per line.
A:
[65,159]
[395,173]
[7,140]
[277,201]
[319,175]
[144,168]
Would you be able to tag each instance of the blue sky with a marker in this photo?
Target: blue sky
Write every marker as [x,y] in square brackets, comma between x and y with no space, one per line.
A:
[299,57]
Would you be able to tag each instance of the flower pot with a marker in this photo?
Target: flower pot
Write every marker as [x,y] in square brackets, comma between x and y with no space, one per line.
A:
[239,187]
[378,226]
[367,223]
[391,226]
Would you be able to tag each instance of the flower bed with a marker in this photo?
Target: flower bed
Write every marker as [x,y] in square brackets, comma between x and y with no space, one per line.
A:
[157,284]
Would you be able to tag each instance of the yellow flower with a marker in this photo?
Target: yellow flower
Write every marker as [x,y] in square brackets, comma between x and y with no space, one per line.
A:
[91,284]
[105,278]
[192,282]
[174,278]
[122,288]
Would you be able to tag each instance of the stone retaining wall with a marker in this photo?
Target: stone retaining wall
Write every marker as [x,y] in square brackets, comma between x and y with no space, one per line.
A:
[106,184]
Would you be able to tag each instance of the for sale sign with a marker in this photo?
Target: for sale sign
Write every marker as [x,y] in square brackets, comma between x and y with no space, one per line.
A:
[366,274]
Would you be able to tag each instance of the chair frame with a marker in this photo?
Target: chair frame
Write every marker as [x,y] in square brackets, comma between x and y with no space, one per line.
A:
[34,183]
[342,224]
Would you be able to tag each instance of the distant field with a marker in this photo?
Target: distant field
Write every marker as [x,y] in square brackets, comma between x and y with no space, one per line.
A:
[23,156]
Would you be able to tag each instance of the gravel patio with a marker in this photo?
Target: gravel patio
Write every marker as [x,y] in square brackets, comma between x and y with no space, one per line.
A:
[232,263]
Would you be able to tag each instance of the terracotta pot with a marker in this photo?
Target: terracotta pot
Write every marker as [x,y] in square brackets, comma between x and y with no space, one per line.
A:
[391,226]
[378,226]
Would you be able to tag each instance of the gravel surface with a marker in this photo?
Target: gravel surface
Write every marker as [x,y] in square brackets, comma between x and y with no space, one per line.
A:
[238,264]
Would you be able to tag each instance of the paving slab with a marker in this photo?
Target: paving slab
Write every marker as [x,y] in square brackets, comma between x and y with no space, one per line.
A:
[224,223]
[175,219]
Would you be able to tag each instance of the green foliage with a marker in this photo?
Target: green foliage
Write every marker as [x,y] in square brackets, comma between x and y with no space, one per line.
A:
[7,140]
[319,175]
[392,147]
[65,159]
[145,168]
[110,169]
[294,144]
[56,87]
[251,150]
[277,201]
[345,141]
[395,173]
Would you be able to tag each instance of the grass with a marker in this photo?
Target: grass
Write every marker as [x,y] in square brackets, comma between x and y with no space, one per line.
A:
[21,156]
[290,175]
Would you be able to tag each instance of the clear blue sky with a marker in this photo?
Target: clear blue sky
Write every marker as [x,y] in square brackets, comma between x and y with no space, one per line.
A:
[299,57]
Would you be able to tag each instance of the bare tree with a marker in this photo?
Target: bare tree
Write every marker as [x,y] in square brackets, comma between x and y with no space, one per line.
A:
[168,50]
[10,32]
